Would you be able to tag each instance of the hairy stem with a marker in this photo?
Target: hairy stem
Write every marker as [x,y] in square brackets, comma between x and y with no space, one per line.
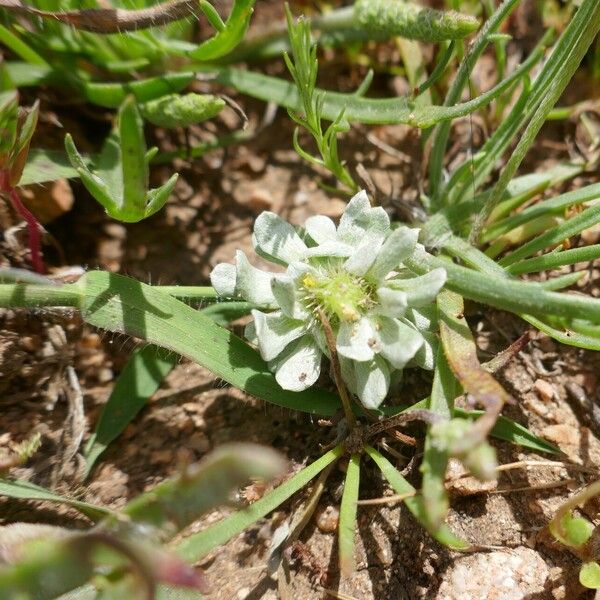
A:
[111,20]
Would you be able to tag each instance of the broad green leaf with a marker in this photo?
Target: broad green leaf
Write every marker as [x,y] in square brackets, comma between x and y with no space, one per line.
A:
[578,530]
[118,303]
[47,165]
[589,575]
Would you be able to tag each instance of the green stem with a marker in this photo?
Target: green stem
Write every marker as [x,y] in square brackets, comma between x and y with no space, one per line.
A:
[23,295]
[555,259]
[506,294]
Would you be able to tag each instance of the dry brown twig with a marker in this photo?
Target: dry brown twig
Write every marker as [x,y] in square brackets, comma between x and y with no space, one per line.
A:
[112,20]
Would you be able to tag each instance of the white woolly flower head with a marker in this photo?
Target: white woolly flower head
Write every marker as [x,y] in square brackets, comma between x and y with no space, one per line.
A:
[379,310]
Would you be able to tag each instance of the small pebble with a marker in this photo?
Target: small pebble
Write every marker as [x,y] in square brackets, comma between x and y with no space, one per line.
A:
[159,457]
[327,518]
[199,442]
[544,390]
[260,199]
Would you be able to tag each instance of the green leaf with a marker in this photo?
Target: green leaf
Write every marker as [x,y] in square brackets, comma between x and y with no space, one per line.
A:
[555,75]
[173,504]
[532,184]
[19,47]
[385,19]
[553,260]
[118,303]
[26,126]
[360,109]
[507,294]
[589,217]
[57,562]
[509,431]
[348,511]
[133,161]
[25,490]
[227,38]
[196,546]
[177,110]
[577,530]
[442,132]
[435,460]
[443,534]
[112,95]
[120,182]
[589,575]
[47,165]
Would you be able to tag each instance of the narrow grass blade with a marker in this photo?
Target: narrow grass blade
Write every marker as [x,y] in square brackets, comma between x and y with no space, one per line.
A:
[549,86]
[504,428]
[554,260]
[435,460]
[589,217]
[509,431]
[565,333]
[24,490]
[348,511]
[414,503]
[554,206]
[197,545]
[436,160]
[140,378]
[506,294]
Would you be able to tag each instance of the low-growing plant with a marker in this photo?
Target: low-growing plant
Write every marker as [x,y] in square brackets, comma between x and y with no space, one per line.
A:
[580,535]
[371,297]
[125,552]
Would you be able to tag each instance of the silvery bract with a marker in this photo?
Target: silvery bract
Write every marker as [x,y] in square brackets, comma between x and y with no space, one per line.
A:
[379,310]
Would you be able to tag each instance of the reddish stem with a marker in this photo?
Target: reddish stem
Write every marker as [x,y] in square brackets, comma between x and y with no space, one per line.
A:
[33,226]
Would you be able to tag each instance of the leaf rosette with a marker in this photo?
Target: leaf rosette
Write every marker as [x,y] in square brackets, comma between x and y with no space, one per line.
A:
[352,276]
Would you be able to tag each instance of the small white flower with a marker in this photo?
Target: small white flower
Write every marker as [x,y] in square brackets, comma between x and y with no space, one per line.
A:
[379,311]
